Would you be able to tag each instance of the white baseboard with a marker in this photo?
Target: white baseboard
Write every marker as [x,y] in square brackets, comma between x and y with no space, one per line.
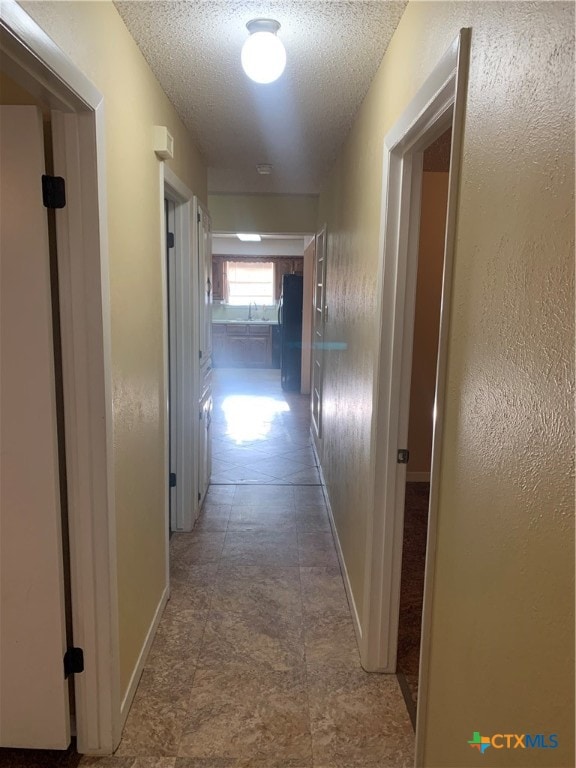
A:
[417,477]
[139,668]
[346,578]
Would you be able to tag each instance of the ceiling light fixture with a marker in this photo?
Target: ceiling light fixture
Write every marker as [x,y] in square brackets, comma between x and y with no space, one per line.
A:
[264,169]
[248,238]
[263,55]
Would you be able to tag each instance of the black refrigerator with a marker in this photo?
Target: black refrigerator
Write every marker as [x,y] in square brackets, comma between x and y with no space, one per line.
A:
[290,324]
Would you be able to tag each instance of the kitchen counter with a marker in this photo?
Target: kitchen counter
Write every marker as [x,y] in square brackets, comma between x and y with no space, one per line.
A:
[244,343]
[245,322]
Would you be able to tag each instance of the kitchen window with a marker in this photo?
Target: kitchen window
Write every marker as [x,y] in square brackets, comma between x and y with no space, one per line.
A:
[249,282]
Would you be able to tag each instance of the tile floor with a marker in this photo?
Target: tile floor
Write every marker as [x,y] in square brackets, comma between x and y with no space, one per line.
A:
[255,664]
[260,434]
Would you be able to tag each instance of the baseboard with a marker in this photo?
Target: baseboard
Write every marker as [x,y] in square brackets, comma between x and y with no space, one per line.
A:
[346,578]
[417,477]
[139,668]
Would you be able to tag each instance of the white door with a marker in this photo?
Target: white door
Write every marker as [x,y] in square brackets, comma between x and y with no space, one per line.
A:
[318,329]
[34,710]
[204,245]
[204,261]
[172,299]
[205,447]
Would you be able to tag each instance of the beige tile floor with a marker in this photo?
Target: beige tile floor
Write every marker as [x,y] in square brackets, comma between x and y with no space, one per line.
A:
[255,663]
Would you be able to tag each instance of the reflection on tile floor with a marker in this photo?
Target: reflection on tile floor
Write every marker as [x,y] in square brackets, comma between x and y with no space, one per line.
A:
[260,434]
[255,664]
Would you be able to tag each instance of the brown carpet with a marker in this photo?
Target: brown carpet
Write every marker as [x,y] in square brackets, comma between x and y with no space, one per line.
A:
[412,591]
[39,758]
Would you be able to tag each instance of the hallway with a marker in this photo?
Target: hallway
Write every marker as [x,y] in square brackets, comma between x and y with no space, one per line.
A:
[255,663]
[254,660]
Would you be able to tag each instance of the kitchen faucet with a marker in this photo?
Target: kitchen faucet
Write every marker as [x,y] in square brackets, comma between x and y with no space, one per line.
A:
[250,309]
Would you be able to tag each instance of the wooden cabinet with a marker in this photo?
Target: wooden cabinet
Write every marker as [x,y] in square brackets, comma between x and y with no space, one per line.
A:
[242,345]
[218,345]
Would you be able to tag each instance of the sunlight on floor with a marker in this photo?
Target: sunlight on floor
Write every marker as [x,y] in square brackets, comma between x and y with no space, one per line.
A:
[249,417]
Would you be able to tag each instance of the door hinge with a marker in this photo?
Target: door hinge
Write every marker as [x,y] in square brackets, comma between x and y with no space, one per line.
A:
[170,240]
[53,191]
[73,661]
[199,495]
[172,479]
[199,215]
[200,354]
[403,456]
[200,415]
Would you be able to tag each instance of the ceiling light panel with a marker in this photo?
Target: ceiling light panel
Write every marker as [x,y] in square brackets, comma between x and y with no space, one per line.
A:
[248,238]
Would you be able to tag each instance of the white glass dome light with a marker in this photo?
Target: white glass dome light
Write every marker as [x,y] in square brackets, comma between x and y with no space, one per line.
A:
[263,55]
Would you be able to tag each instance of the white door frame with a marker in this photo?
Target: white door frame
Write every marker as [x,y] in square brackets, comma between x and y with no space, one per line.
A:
[202,229]
[31,58]
[202,256]
[173,341]
[439,103]
[186,336]
[318,356]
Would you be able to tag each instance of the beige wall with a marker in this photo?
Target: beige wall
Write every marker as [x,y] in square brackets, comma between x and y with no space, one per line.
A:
[427,319]
[95,38]
[502,643]
[278,214]
[13,93]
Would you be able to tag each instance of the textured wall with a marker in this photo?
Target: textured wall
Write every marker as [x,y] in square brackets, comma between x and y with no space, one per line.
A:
[95,38]
[502,646]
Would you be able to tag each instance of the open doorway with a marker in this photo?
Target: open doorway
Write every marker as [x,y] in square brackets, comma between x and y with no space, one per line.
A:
[262,305]
[261,329]
[433,205]
[262,297]
[35,693]
[180,332]
[438,105]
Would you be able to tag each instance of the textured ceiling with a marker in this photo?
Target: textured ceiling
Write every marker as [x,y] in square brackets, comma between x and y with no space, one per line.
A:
[299,122]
